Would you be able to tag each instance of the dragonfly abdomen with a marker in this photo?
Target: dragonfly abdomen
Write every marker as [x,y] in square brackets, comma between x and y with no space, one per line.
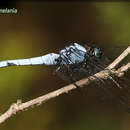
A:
[48,59]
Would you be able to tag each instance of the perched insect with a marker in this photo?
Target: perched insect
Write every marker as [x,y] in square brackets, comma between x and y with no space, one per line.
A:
[73,63]
[76,62]
[71,60]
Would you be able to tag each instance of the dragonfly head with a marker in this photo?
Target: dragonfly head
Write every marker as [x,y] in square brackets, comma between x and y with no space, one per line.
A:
[97,52]
[93,51]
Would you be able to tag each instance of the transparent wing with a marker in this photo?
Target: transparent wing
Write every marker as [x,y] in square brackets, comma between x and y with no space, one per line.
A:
[114,89]
[118,90]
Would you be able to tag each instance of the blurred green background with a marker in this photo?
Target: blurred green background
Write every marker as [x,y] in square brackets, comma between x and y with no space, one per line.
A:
[43,27]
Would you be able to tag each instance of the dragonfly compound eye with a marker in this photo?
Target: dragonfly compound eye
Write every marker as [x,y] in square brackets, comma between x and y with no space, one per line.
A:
[97,53]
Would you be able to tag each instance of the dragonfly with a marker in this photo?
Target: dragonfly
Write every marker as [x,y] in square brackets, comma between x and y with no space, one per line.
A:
[75,62]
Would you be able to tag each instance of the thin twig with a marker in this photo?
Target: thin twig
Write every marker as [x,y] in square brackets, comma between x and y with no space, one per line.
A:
[19,106]
[120,72]
[119,59]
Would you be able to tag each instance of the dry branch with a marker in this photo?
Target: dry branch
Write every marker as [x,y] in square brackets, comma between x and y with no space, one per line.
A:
[19,106]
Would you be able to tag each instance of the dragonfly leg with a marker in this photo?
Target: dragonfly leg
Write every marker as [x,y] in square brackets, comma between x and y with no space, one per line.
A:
[71,80]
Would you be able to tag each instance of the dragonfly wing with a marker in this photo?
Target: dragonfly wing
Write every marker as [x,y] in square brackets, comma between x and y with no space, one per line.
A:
[119,95]
[117,91]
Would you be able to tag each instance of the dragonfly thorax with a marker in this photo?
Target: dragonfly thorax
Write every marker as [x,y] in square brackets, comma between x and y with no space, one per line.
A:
[72,54]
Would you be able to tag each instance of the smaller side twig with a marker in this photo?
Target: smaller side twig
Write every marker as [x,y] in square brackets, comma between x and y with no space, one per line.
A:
[119,59]
[120,72]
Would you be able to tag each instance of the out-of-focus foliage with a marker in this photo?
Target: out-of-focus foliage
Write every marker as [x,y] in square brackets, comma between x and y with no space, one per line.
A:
[43,27]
